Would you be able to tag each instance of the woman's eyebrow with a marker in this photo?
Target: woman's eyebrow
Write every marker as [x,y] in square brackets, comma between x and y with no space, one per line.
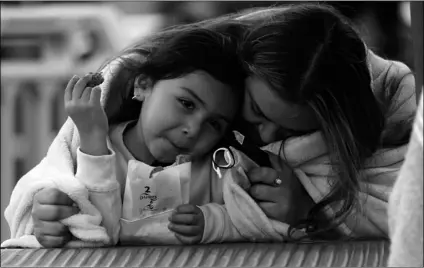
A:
[194,95]
[253,102]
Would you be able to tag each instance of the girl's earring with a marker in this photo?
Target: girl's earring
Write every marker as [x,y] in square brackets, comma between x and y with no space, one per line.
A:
[138,95]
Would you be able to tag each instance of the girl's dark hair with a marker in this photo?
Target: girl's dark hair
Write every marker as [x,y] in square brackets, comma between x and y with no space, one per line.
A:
[173,53]
[309,54]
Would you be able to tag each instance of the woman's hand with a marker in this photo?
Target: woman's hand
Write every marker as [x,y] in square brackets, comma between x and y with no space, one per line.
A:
[280,194]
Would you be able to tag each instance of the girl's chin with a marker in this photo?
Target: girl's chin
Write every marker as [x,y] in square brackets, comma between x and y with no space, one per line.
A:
[164,156]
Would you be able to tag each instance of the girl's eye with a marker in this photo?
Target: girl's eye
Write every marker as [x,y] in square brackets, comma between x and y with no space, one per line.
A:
[216,125]
[187,104]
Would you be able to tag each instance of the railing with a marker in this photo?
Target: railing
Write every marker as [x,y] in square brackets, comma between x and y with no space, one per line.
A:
[31,114]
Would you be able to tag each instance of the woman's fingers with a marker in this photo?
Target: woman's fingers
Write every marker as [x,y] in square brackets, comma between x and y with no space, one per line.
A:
[262,175]
[264,192]
[280,212]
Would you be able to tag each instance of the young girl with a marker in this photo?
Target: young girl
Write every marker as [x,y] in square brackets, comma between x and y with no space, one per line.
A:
[177,93]
[309,70]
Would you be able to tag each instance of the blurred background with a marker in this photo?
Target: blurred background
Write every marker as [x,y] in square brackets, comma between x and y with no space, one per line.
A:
[44,43]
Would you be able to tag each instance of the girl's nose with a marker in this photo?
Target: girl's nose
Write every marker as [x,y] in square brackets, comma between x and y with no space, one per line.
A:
[192,128]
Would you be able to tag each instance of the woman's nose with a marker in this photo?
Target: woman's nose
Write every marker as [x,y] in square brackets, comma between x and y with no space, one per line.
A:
[268,132]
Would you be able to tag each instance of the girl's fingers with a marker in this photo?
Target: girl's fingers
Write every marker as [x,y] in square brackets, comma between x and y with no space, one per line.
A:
[186,230]
[80,86]
[53,228]
[96,93]
[186,219]
[186,209]
[52,196]
[188,240]
[50,241]
[70,88]
[86,94]
[53,212]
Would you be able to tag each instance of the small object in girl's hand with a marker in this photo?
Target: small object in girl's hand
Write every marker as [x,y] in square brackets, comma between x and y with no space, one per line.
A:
[96,80]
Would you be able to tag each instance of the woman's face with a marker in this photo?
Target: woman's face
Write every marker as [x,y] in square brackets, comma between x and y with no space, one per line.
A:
[273,118]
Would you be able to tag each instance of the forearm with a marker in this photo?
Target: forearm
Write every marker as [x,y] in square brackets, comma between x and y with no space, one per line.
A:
[98,174]
[94,144]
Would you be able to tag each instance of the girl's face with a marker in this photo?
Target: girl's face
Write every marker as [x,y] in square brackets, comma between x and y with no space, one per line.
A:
[274,118]
[186,115]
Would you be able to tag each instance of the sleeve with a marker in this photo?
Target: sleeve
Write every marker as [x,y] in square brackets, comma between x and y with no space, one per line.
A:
[218,225]
[18,211]
[98,174]
[368,218]
[406,204]
[57,164]
[399,88]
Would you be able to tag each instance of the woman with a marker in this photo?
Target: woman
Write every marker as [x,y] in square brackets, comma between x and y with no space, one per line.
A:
[309,70]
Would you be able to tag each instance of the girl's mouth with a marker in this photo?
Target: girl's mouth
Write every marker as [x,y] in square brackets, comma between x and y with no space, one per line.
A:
[180,149]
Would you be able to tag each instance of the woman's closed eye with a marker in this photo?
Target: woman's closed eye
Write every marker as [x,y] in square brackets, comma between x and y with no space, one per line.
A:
[256,110]
[216,125]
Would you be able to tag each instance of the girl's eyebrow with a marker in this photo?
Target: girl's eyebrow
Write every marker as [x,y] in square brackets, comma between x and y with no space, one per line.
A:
[194,95]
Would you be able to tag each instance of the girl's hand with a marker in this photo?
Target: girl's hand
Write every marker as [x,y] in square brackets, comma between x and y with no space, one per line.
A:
[49,207]
[188,223]
[82,104]
[286,202]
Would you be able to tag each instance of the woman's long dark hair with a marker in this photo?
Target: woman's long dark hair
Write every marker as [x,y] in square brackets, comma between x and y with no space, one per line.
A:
[311,55]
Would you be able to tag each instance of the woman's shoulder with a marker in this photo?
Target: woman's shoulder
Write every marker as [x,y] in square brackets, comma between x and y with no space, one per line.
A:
[394,86]
[389,76]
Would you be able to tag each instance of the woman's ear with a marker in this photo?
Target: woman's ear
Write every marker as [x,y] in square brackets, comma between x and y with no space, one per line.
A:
[143,87]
